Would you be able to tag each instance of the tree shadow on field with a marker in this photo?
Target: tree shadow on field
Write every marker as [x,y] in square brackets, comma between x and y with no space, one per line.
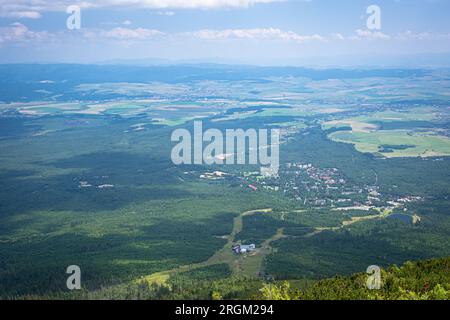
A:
[101,181]
[38,267]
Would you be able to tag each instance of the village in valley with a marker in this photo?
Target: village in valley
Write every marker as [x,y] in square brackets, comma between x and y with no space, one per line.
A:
[318,188]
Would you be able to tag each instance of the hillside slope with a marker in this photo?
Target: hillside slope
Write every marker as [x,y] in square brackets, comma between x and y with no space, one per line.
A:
[423,280]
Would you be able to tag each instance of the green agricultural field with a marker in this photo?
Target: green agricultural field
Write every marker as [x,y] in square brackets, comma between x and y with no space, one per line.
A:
[413,133]
[416,144]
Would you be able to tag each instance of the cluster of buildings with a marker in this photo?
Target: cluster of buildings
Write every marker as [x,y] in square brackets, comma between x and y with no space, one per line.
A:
[243,249]
[98,185]
[313,187]
[216,175]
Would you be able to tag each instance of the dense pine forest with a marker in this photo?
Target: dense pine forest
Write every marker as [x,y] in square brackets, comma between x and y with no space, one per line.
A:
[422,280]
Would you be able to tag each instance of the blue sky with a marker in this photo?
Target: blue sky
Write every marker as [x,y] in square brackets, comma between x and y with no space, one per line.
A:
[267,32]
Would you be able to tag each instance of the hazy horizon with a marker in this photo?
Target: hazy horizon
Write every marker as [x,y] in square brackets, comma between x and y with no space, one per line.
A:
[406,61]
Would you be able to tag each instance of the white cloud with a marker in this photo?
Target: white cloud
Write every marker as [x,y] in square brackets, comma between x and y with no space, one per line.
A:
[338,36]
[180,4]
[18,32]
[34,8]
[165,13]
[133,34]
[370,35]
[258,33]
[126,34]
[23,14]
[409,35]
